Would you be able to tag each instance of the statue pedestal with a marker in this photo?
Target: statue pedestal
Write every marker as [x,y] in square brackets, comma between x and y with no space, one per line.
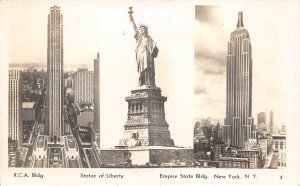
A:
[146,124]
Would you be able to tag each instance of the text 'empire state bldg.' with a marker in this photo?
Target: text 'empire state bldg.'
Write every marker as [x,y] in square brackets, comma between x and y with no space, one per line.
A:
[238,120]
[55,73]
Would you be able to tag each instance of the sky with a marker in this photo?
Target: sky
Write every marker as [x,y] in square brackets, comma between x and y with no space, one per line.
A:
[103,26]
[272,35]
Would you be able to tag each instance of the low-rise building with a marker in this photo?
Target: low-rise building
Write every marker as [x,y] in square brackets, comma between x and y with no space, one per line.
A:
[254,157]
[279,151]
[233,162]
[85,114]
[218,149]
[28,111]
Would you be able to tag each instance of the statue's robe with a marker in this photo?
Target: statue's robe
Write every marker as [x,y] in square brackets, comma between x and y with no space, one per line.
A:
[146,51]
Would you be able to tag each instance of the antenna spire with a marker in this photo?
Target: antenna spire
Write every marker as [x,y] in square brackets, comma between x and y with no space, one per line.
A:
[240,20]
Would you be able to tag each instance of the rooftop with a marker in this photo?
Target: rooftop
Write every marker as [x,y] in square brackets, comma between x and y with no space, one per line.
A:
[150,147]
[279,136]
[85,107]
[71,142]
[38,163]
[28,104]
[40,142]
[73,163]
[248,150]
[233,158]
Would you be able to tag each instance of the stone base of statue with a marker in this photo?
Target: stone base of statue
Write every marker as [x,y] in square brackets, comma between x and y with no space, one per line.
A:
[146,138]
[146,124]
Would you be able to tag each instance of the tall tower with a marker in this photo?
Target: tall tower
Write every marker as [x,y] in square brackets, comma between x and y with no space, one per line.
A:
[238,120]
[271,122]
[14,106]
[97,93]
[55,91]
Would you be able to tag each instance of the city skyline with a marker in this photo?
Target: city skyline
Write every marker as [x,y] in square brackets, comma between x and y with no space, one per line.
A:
[213,27]
[118,74]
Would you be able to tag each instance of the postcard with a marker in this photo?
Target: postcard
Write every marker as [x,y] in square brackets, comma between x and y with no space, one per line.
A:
[152,93]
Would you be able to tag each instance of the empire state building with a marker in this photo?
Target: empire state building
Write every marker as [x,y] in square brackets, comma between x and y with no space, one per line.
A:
[55,74]
[238,121]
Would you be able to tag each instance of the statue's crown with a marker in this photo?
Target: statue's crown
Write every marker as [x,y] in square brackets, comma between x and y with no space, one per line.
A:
[143,26]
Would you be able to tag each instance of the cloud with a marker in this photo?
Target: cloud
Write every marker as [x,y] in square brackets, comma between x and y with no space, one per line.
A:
[210,45]
[213,66]
[206,14]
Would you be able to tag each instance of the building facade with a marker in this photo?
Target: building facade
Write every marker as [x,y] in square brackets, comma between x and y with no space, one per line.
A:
[55,91]
[233,162]
[262,121]
[68,82]
[254,156]
[14,106]
[239,119]
[279,151]
[84,86]
[97,93]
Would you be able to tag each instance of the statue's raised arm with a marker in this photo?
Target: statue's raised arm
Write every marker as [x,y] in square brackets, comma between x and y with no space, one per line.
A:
[133,23]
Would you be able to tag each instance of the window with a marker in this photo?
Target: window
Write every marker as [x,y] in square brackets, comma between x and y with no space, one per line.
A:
[230,48]
[159,135]
[141,106]
[245,45]
[276,145]
[135,135]
[125,156]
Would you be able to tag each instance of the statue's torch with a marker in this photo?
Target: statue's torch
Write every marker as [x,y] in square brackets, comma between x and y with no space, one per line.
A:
[130,12]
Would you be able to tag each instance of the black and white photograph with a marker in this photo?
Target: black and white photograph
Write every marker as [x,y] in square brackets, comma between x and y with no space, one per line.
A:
[138,92]
[73,85]
[241,85]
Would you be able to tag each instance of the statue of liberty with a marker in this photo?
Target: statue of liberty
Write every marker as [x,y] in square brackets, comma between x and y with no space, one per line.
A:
[146,51]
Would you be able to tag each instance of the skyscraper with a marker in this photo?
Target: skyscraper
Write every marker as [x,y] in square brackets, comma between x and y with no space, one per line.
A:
[262,121]
[261,118]
[14,106]
[239,86]
[97,93]
[55,91]
[83,85]
[271,122]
